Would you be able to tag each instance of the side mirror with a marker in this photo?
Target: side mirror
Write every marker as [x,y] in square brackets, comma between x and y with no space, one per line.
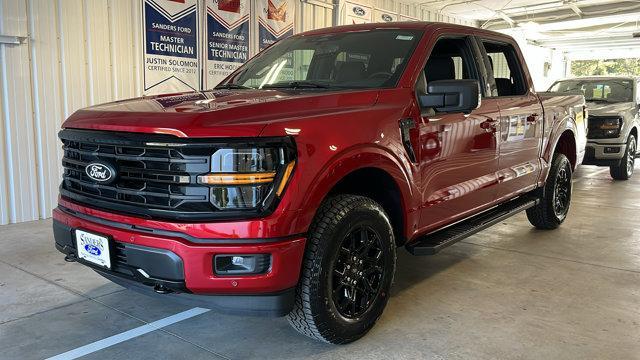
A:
[451,96]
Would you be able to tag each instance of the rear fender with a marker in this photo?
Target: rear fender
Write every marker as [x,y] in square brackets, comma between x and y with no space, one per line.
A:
[559,123]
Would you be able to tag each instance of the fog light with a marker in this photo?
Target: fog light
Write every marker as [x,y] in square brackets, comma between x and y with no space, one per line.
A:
[612,149]
[241,264]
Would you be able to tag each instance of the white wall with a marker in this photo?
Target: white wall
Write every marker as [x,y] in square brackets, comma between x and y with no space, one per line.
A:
[536,57]
[79,53]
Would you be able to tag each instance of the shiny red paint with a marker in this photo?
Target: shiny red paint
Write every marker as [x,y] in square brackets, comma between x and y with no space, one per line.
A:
[464,164]
[286,257]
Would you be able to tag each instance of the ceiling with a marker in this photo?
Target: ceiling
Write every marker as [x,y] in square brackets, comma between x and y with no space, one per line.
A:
[592,27]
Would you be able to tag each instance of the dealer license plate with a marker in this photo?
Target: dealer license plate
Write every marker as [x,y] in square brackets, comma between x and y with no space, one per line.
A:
[93,248]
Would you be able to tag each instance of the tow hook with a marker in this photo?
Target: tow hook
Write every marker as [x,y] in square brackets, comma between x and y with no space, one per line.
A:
[70,258]
[161,289]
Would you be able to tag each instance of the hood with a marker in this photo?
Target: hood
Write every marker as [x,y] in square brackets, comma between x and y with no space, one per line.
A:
[601,109]
[219,113]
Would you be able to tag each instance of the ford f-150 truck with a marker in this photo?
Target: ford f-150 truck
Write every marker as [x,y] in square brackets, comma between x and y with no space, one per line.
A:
[287,189]
[614,119]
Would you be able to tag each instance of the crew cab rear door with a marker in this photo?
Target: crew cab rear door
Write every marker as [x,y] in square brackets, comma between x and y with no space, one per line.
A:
[521,125]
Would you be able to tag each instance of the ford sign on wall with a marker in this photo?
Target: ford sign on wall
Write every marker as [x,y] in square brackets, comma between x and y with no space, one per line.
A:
[357,14]
[359,11]
[384,16]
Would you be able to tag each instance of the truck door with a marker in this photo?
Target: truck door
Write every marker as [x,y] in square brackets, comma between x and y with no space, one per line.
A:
[458,152]
[520,131]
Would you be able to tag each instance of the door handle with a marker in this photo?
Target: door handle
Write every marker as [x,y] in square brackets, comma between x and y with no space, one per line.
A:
[532,118]
[489,125]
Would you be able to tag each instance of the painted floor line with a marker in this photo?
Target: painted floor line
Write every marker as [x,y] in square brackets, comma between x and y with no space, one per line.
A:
[127,335]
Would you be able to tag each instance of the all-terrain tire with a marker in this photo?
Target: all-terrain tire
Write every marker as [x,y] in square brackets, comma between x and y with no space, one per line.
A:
[547,214]
[315,313]
[624,170]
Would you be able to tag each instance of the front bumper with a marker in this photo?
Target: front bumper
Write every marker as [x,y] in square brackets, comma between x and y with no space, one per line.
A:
[183,269]
[603,154]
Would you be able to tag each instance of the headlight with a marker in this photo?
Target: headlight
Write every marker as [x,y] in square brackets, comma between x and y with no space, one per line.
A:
[610,124]
[249,177]
[611,127]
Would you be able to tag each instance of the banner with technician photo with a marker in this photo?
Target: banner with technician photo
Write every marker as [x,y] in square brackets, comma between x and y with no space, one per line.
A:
[275,21]
[171,61]
[356,14]
[227,38]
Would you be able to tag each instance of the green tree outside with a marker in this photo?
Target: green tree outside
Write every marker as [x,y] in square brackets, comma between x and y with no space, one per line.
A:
[606,67]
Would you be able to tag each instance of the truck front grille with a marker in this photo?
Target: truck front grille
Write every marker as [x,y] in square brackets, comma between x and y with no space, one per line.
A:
[155,175]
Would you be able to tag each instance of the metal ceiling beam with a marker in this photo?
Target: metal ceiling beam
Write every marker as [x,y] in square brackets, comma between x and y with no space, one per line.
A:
[589,38]
[601,55]
[566,15]
[576,9]
[602,46]
[506,18]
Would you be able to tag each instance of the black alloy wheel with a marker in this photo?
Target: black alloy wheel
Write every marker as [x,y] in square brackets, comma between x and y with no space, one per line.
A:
[624,169]
[554,197]
[357,272]
[562,191]
[347,270]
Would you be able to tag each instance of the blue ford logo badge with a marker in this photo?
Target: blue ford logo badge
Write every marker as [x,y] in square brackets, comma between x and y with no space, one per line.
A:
[93,250]
[359,11]
[387,18]
[100,172]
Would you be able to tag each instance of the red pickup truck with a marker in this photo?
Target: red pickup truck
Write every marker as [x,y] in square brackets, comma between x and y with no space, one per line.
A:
[287,189]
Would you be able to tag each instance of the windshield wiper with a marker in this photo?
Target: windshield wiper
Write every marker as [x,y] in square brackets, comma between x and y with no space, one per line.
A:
[232,86]
[296,85]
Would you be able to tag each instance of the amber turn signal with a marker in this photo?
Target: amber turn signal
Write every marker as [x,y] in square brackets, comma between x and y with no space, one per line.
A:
[285,177]
[237,179]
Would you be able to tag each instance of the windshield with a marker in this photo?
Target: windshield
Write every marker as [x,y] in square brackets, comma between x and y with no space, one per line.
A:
[350,60]
[598,90]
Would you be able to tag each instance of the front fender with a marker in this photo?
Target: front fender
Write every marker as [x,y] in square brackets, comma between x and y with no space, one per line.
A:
[348,161]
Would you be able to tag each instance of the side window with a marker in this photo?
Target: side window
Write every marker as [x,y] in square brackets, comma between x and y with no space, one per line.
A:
[506,69]
[450,59]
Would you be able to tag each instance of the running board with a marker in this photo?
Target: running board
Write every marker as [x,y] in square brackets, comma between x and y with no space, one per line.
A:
[432,243]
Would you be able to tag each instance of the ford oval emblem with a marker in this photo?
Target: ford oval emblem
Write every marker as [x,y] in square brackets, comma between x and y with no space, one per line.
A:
[387,18]
[93,250]
[359,11]
[100,172]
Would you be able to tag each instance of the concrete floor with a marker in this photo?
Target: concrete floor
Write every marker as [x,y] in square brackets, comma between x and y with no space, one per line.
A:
[508,292]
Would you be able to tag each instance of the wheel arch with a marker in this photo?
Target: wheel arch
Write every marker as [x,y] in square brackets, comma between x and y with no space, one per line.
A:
[378,185]
[562,140]
[566,145]
[371,172]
